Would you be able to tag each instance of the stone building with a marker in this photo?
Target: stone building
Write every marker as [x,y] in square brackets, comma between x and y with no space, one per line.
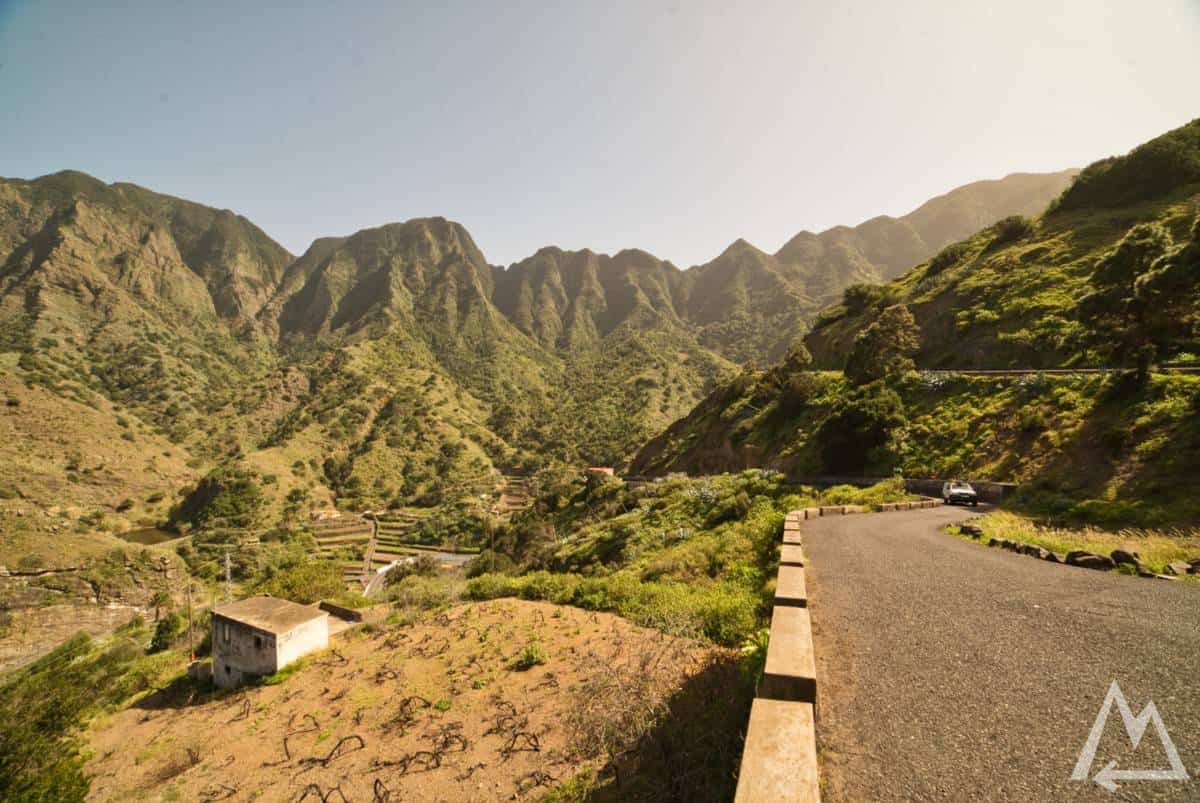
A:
[261,635]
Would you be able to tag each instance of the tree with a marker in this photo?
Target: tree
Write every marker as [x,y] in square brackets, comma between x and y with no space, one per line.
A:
[884,349]
[859,432]
[160,600]
[227,496]
[168,629]
[1170,294]
[1121,322]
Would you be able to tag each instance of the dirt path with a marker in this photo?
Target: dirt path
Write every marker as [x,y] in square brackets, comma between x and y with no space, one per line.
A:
[951,671]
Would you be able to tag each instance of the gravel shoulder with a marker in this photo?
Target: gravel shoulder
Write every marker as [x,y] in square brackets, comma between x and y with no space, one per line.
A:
[951,671]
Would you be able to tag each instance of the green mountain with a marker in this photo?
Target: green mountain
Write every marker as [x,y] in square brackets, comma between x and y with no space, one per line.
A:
[1008,296]
[1123,239]
[882,248]
[394,366]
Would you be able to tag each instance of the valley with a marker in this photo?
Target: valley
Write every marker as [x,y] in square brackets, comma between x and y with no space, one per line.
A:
[530,495]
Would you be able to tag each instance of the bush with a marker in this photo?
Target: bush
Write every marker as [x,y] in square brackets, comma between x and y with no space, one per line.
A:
[1012,229]
[948,256]
[227,496]
[533,655]
[423,593]
[488,561]
[166,632]
[491,586]
[859,431]
[421,566]
[305,583]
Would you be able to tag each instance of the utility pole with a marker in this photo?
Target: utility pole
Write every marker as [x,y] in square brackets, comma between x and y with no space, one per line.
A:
[191,649]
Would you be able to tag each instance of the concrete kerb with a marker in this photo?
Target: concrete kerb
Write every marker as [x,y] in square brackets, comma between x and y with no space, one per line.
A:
[790,589]
[791,670]
[791,554]
[779,759]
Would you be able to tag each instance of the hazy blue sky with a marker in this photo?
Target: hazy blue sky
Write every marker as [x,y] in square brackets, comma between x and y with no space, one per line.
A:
[675,127]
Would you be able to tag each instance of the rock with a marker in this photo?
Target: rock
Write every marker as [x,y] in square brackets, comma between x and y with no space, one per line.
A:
[1090,560]
[1045,554]
[1030,549]
[1164,577]
[1120,556]
[993,542]
[1177,568]
[973,530]
[1012,546]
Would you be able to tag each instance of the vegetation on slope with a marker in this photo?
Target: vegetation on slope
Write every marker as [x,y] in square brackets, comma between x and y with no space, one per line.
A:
[1013,294]
[1084,447]
[695,557]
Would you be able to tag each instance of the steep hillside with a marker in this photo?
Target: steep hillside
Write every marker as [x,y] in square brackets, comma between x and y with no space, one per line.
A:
[1009,296]
[884,247]
[1109,274]
[571,300]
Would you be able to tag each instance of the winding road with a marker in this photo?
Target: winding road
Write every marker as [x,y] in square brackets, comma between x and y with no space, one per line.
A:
[950,671]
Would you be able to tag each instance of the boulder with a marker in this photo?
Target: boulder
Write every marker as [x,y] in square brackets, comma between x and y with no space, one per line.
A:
[1120,556]
[973,530]
[1177,567]
[1090,560]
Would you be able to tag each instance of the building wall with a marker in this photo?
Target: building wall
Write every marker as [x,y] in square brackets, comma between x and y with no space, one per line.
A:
[239,650]
[308,637]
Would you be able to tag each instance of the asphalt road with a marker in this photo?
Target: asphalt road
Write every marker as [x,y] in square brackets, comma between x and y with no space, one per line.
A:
[950,671]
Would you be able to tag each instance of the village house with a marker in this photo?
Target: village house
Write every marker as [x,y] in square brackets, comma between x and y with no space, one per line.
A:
[261,635]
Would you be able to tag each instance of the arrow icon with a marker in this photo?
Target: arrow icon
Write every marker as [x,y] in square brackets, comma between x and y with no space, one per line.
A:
[1135,727]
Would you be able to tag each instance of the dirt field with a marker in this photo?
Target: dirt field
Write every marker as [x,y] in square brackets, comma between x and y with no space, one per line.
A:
[437,711]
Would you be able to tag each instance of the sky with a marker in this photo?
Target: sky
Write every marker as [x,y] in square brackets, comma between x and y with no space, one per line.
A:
[675,127]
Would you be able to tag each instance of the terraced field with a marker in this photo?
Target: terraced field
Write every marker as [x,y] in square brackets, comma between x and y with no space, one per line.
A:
[513,494]
[347,539]
[394,541]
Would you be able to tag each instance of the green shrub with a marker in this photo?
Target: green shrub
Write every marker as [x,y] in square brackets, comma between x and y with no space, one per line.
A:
[533,655]
[166,632]
[948,256]
[225,497]
[491,586]
[1012,228]
[422,593]
[305,583]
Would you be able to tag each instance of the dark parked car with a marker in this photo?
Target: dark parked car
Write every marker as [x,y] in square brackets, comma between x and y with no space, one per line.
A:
[959,493]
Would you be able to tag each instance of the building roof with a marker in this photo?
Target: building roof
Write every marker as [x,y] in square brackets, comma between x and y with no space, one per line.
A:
[269,614]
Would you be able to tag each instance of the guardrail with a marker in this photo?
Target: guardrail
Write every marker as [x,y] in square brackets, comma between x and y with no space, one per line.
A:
[779,758]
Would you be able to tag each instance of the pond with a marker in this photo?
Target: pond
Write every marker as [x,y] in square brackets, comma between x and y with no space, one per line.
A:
[147,535]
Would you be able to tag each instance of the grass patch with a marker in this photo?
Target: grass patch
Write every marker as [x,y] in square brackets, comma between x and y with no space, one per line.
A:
[1155,548]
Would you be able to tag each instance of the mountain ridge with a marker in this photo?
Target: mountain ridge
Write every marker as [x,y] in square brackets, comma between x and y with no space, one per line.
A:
[375,367]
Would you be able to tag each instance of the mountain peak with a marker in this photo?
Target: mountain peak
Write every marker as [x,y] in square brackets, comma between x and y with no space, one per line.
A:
[741,246]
